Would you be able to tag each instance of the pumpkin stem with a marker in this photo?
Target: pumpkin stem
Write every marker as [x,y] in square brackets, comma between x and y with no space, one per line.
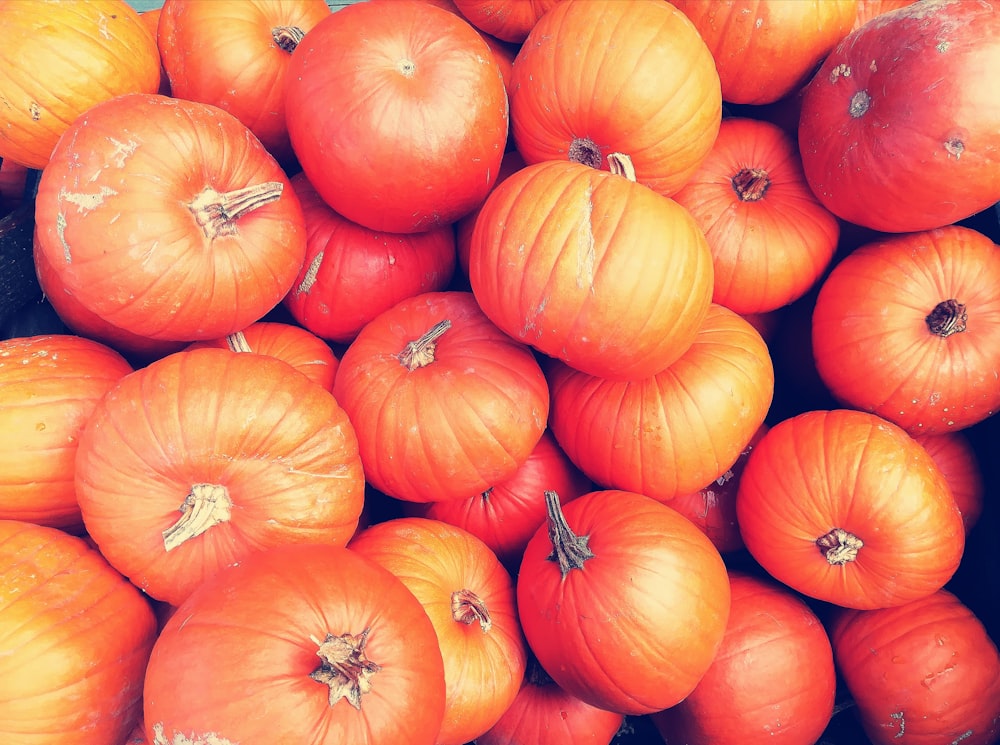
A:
[948,317]
[205,505]
[287,37]
[238,342]
[216,214]
[420,353]
[467,607]
[839,547]
[751,184]
[568,548]
[621,165]
[585,151]
[344,667]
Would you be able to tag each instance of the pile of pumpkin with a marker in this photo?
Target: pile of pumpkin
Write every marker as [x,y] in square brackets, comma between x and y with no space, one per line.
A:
[467,370]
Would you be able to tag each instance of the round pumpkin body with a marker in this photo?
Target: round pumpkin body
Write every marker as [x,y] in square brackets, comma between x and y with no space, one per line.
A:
[233,54]
[908,327]
[864,519]
[770,238]
[868,9]
[925,672]
[612,573]
[900,127]
[76,639]
[444,403]
[179,476]
[62,57]
[352,273]
[591,268]
[677,431]
[511,163]
[510,20]
[955,455]
[772,681]
[330,648]
[168,219]
[766,49]
[469,598]
[49,387]
[422,148]
[619,97]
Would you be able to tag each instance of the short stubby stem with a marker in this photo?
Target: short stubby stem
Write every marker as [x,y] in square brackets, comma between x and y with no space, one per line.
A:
[420,353]
[948,317]
[345,668]
[751,184]
[217,213]
[568,549]
[585,151]
[839,546]
[287,37]
[206,505]
[238,342]
[468,608]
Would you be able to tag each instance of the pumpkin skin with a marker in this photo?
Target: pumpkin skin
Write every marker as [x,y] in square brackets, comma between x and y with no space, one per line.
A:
[674,432]
[469,598]
[75,644]
[352,273]
[771,240]
[440,418]
[201,249]
[423,147]
[178,477]
[591,268]
[295,345]
[897,131]
[60,59]
[772,681]
[766,49]
[49,387]
[864,519]
[618,99]
[650,581]
[233,54]
[955,455]
[510,20]
[908,328]
[271,613]
[511,163]
[926,672]
[868,9]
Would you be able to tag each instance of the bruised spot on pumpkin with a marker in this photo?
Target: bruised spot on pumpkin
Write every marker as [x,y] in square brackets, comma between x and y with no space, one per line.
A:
[309,279]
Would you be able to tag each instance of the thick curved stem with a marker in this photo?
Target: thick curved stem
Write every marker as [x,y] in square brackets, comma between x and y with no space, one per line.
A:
[568,549]
[468,608]
[420,353]
[216,213]
[206,505]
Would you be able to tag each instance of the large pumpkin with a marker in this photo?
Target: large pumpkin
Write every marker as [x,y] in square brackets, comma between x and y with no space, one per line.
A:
[900,127]
[596,77]
[168,219]
[203,457]
[591,268]
[60,58]
[421,147]
[313,645]
[908,327]
[75,641]
[845,507]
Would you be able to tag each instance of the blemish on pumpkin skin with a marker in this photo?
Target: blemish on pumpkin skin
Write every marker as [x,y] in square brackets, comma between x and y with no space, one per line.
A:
[211,738]
[85,202]
[122,151]
[309,279]
[586,253]
[955,147]
[840,71]
[61,234]
[35,111]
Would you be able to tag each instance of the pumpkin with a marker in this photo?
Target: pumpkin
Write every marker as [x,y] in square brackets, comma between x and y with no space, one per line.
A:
[444,403]
[423,146]
[76,638]
[233,54]
[295,345]
[178,476]
[510,20]
[618,98]
[623,601]
[507,514]
[772,681]
[62,57]
[49,387]
[926,671]
[908,327]
[511,163]
[900,127]
[674,432]
[955,455]
[352,273]
[766,49]
[591,268]
[151,20]
[168,219]
[544,714]
[771,240]
[469,598]
[311,644]
[845,507]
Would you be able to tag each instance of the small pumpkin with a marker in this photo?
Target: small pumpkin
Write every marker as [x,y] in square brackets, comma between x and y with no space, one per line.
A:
[510,20]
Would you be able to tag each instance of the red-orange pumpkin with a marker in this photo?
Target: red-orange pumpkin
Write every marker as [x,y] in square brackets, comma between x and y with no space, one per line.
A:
[168,219]
[203,457]
[510,20]
[868,9]
[49,387]
[846,507]
[76,638]
[469,598]
[955,455]
[62,58]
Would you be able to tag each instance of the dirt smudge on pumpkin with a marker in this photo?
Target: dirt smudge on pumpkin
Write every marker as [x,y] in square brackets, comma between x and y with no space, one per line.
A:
[210,738]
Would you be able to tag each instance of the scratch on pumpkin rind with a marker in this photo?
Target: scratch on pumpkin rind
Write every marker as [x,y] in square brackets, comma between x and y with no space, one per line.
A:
[61,233]
[586,253]
[211,738]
